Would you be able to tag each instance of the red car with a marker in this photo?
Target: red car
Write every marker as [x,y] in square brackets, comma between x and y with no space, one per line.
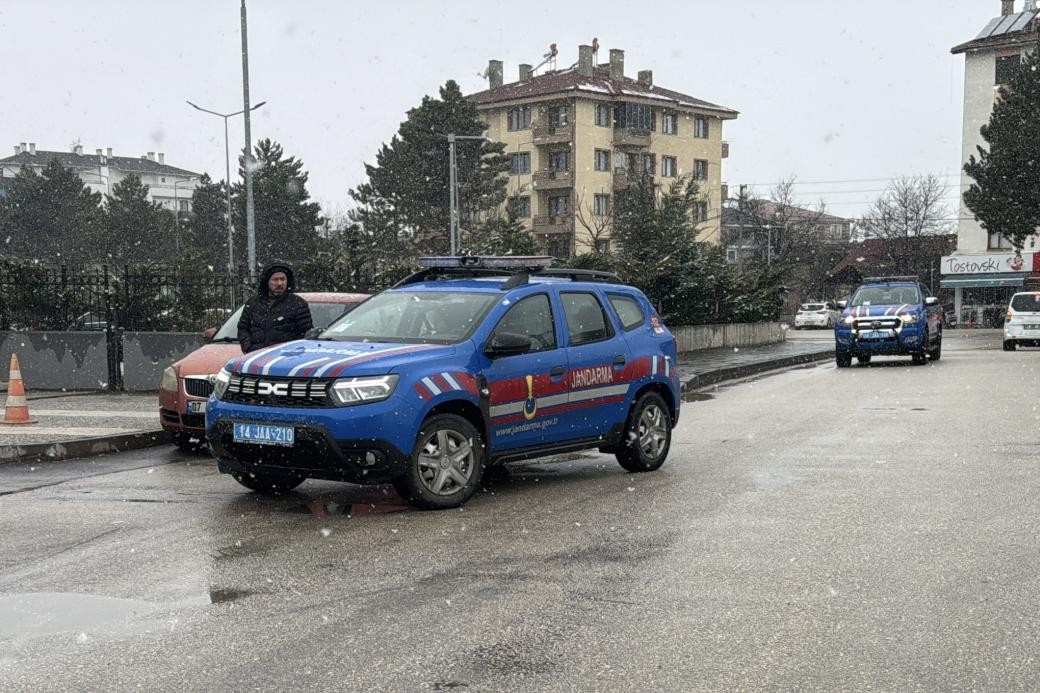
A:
[186,385]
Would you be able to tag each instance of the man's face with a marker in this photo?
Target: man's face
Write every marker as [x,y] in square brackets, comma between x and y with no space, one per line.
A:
[277,284]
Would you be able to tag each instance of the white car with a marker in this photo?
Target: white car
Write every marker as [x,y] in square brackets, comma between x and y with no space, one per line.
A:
[823,314]
[1022,322]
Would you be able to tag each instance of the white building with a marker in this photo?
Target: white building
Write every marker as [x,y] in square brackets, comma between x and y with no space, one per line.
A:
[986,270]
[170,186]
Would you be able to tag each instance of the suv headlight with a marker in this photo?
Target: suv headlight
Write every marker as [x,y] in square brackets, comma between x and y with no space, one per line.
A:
[849,320]
[220,382]
[909,318]
[361,390]
[169,380]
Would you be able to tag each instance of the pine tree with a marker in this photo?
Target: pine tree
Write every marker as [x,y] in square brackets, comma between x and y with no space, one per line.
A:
[1005,195]
[286,220]
[50,216]
[136,228]
[407,188]
[208,226]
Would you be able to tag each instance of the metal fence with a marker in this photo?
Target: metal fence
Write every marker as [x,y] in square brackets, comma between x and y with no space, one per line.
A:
[35,296]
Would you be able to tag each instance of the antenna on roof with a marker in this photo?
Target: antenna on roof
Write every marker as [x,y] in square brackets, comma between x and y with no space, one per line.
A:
[595,50]
[550,58]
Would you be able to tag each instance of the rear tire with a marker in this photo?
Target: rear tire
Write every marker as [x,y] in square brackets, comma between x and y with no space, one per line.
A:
[446,466]
[863,359]
[648,435]
[920,358]
[1009,345]
[267,484]
[936,353]
[843,360]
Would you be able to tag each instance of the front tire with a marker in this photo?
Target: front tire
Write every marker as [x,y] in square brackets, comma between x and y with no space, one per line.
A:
[920,358]
[648,435]
[267,484]
[936,353]
[863,359]
[446,465]
[843,360]
[1009,345]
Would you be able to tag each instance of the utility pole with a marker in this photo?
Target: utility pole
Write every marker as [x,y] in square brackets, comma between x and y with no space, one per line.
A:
[250,215]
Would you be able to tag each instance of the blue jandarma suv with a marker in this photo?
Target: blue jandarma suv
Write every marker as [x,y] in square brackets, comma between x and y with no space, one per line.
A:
[889,316]
[468,363]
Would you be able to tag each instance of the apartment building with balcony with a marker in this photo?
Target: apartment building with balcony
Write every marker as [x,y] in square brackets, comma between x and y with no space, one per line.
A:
[578,135]
[169,186]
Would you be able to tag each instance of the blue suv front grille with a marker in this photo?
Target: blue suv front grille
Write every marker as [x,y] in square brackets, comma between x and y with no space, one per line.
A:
[278,392]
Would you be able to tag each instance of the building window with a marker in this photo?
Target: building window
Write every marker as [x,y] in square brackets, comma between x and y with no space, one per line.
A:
[521,206]
[649,163]
[700,169]
[1006,67]
[601,205]
[163,179]
[634,116]
[997,241]
[183,205]
[602,160]
[520,118]
[700,211]
[559,206]
[838,232]
[602,245]
[558,246]
[559,116]
[668,166]
[700,127]
[670,124]
[560,160]
[603,115]
[520,163]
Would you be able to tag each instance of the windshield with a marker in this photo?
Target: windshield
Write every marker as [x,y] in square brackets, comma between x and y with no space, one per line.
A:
[886,296]
[1026,303]
[322,315]
[809,307]
[433,317]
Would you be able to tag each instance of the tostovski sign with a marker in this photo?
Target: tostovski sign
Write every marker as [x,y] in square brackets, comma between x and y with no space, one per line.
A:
[992,263]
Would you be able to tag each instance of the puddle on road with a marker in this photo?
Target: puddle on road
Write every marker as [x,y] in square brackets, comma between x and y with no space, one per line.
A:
[33,614]
[219,595]
[697,396]
[325,507]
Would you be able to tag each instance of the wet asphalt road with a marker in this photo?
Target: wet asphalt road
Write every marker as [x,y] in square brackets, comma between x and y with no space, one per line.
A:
[864,529]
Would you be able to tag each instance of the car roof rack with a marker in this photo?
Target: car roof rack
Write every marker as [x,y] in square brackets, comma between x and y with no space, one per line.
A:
[882,280]
[518,268]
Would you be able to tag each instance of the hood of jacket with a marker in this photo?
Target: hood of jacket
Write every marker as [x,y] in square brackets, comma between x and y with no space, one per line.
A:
[271,268]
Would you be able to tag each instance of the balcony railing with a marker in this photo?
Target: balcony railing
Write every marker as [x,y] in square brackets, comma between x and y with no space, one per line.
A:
[553,223]
[552,134]
[630,137]
[553,180]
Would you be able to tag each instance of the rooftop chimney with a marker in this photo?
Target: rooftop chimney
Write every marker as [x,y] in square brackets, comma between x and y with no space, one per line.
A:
[32,149]
[108,152]
[525,72]
[1007,7]
[494,74]
[25,147]
[77,149]
[162,158]
[1030,5]
[18,149]
[151,156]
[585,61]
[646,78]
[617,64]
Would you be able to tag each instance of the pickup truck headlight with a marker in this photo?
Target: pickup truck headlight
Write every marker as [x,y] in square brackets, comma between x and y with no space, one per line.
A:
[909,318]
[849,320]
[169,380]
[220,382]
[350,391]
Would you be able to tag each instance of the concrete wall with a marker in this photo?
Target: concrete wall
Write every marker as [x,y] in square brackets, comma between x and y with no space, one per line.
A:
[147,354]
[78,360]
[720,336]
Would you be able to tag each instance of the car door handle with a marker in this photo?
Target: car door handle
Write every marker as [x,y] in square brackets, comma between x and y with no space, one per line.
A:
[557,371]
[619,360]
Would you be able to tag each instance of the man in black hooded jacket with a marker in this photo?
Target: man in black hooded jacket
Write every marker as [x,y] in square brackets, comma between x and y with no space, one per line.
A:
[275,314]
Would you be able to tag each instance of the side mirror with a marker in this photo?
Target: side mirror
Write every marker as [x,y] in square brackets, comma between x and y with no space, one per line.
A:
[507,344]
[842,305]
[931,301]
[312,333]
[208,335]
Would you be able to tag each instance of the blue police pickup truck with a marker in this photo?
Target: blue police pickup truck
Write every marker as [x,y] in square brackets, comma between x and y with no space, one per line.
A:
[471,362]
[889,316]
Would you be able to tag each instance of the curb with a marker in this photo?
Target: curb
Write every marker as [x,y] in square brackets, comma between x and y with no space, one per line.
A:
[82,447]
[735,372]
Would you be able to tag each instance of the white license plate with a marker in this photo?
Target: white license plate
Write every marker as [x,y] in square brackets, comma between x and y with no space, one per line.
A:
[197,407]
[876,334]
[262,434]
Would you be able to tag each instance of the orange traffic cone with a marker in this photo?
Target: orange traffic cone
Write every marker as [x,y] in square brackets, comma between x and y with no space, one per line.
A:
[16,411]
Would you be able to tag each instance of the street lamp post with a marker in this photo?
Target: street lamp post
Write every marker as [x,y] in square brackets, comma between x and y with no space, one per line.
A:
[227,183]
[453,196]
[177,212]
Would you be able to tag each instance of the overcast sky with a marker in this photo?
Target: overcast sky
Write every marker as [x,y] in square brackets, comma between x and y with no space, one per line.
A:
[828,90]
